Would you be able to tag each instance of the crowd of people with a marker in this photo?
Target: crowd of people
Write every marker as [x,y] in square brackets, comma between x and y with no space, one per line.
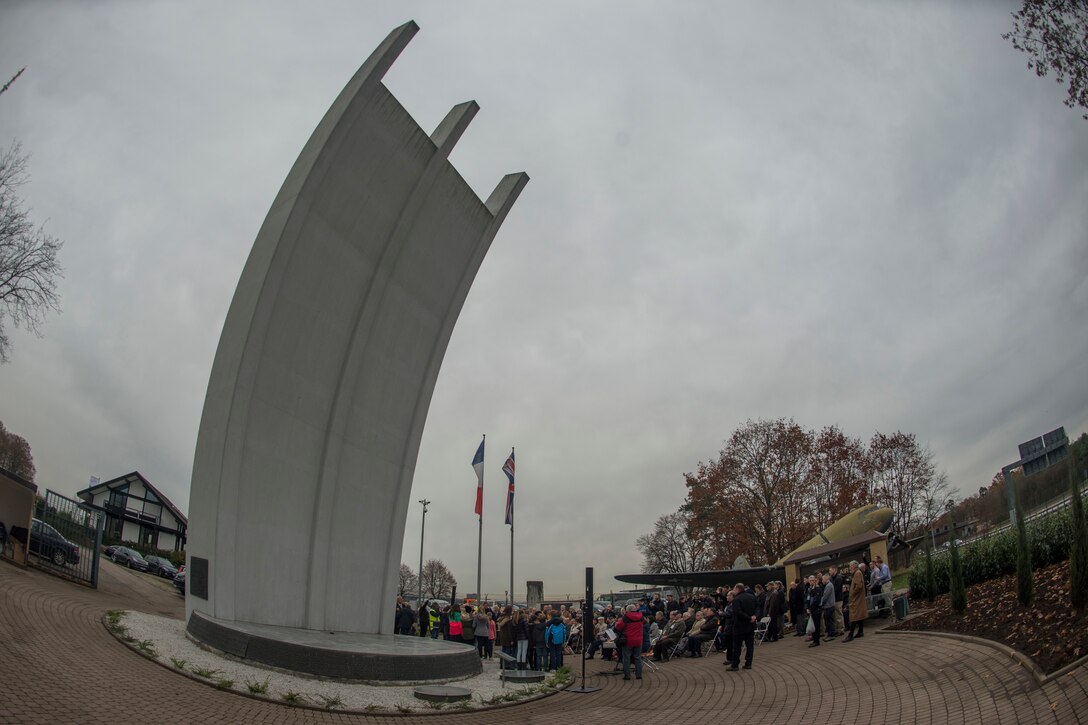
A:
[535,638]
[820,608]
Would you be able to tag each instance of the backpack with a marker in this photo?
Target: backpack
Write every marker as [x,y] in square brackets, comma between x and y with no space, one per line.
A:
[556,634]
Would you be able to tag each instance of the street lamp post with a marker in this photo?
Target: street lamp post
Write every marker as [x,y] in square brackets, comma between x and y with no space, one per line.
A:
[422,529]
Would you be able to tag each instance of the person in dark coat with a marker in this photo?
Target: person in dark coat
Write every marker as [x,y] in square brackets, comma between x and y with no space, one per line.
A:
[744,626]
[797,607]
[424,618]
[706,632]
[405,617]
[727,626]
[774,603]
[539,640]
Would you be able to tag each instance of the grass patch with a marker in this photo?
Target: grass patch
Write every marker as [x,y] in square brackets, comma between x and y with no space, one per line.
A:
[148,647]
[178,664]
[901,580]
[460,705]
[404,709]
[330,703]
[293,698]
[205,672]
[435,705]
[224,684]
[257,687]
[371,708]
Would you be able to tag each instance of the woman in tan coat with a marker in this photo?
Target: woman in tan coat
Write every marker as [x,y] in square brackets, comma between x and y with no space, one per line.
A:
[858,609]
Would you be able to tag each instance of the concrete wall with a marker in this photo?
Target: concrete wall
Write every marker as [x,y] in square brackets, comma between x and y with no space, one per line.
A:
[327,362]
[16,508]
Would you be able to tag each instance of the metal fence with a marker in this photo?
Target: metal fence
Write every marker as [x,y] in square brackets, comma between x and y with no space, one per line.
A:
[65,538]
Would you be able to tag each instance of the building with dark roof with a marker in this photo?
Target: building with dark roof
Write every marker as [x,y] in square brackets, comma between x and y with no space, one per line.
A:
[137,511]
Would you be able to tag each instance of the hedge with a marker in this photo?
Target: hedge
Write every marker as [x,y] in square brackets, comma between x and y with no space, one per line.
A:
[995,556]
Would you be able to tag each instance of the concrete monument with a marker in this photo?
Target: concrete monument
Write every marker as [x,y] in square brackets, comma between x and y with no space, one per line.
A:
[323,376]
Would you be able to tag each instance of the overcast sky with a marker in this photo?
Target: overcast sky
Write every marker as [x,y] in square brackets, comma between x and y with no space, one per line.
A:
[864,214]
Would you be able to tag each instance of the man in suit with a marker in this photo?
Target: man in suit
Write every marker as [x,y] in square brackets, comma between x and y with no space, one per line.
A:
[744,627]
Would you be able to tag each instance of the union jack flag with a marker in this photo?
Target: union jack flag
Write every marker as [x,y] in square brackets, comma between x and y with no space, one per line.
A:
[508,469]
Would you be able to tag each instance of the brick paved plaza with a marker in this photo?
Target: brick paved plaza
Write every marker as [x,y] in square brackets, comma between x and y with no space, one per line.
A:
[60,665]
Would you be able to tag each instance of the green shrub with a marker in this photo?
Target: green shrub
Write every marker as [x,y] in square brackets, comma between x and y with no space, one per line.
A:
[1078,551]
[989,558]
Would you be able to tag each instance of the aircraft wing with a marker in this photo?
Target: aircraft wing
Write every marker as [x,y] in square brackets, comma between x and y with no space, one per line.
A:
[709,579]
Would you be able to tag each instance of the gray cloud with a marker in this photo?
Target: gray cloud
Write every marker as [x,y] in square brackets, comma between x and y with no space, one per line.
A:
[863,215]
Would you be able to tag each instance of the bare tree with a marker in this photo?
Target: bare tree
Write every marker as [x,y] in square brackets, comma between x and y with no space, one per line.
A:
[902,472]
[28,257]
[1054,34]
[408,582]
[671,547]
[438,581]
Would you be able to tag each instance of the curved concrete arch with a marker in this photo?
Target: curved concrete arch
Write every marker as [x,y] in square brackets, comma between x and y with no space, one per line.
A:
[327,362]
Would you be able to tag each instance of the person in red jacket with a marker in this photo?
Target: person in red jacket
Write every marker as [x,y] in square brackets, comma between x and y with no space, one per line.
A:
[629,640]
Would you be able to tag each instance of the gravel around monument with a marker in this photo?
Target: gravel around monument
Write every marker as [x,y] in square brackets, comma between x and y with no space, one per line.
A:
[164,639]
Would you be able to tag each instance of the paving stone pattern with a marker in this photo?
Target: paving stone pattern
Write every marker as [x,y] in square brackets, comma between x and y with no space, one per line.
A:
[58,664]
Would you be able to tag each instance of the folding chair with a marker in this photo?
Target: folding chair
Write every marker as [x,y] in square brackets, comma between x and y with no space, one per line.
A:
[681,645]
[761,629]
[648,655]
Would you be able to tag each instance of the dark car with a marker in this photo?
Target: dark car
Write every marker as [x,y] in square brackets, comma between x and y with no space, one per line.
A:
[46,542]
[161,567]
[129,557]
[179,582]
[108,551]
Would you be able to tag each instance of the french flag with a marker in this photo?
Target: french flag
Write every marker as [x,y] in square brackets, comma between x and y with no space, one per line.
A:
[478,465]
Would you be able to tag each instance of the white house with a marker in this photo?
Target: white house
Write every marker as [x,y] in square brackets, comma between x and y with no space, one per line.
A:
[137,511]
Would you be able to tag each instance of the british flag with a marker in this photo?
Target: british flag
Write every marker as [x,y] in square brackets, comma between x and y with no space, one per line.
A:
[508,469]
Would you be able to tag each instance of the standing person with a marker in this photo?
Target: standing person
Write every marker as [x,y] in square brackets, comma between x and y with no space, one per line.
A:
[728,618]
[468,627]
[454,632]
[815,610]
[425,618]
[797,608]
[405,618]
[833,614]
[557,638]
[630,629]
[505,627]
[761,602]
[521,640]
[744,626]
[481,629]
[858,610]
[539,633]
[492,634]
[774,602]
[671,605]
[444,622]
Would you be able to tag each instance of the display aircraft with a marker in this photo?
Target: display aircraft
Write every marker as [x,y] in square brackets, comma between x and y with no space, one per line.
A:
[858,521]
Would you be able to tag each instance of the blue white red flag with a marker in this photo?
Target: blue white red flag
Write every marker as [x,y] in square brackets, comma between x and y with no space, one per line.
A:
[508,469]
[478,466]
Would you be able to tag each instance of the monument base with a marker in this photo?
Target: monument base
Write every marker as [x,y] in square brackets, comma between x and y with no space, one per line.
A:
[350,656]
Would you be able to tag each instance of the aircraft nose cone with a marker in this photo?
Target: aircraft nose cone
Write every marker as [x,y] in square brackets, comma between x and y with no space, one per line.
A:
[879,520]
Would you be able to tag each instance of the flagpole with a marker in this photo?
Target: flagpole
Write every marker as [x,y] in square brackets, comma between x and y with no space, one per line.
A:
[511,546]
[480,546]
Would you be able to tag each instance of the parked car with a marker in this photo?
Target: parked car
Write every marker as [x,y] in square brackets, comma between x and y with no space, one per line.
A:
[179,582]
[129,557]
[108,551]
[47,542]
[161,567]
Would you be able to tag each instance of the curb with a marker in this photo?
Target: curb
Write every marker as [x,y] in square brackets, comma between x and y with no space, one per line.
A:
[1040,677]
[307,706]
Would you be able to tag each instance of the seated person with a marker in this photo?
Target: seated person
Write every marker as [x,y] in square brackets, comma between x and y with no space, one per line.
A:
[599,636]
[704,633]
[674,632]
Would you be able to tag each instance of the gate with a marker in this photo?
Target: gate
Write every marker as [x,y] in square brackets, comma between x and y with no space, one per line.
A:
[65,538]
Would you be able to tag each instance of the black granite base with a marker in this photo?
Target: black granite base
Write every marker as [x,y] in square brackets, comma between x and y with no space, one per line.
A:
[342,655]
